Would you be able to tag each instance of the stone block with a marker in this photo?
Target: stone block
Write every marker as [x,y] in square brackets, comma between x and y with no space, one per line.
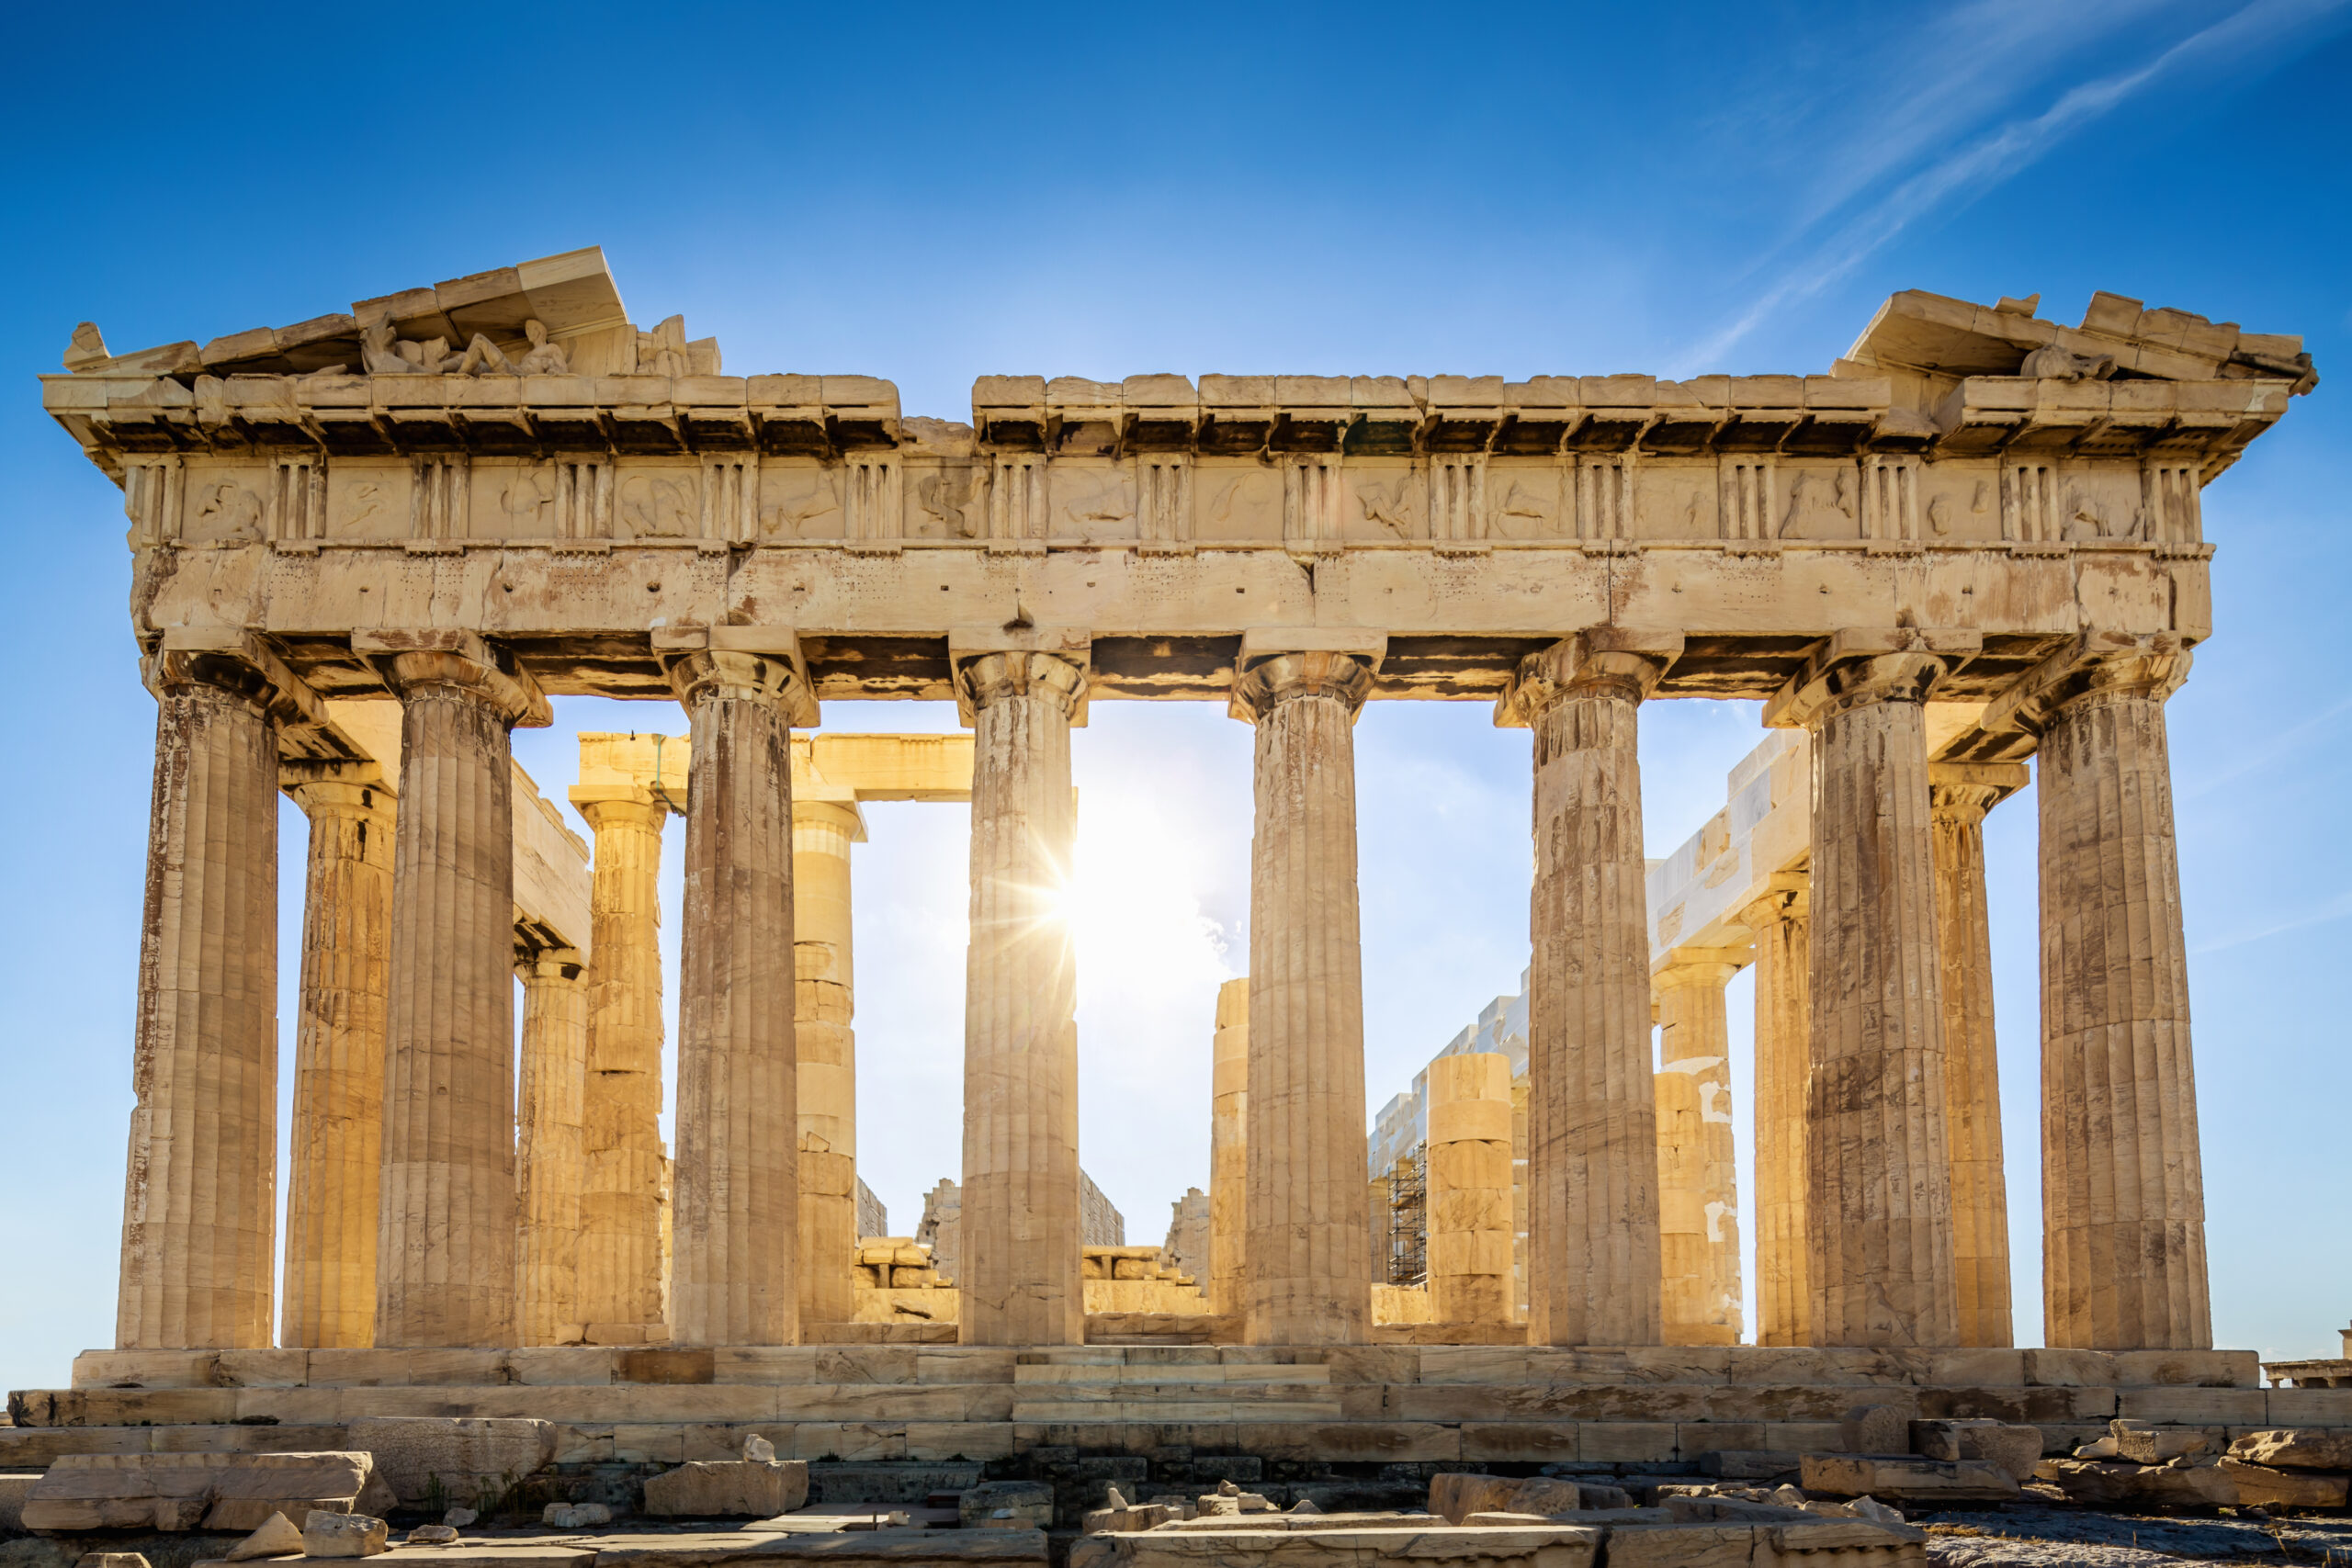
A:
[1030,1502]
[1456,1496]
[1141,1517]
[729,1489]
[1977,1367]
[1626,1442]
[2308,1407]
[2194,1407]
[1520,1442]
[1683,1546]
[2104,1483]
[1876,1429]
[15,1487]
[276,1536]
[2139,1443]
[440,1460]
[2260,1485]
[1904,1478]
[576,1515]
[1747,1465]
[2188,1369]
[185,1492]
[2070,1369]
[2016,1449]
[343,1535]
[2298,1448]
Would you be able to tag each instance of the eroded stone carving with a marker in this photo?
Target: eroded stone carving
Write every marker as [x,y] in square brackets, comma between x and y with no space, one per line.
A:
[2052,363]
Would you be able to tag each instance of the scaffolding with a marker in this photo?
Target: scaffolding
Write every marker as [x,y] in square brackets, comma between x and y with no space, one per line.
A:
[1409,1219]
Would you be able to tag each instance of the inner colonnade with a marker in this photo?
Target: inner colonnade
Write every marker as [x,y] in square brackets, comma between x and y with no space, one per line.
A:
[1978,513]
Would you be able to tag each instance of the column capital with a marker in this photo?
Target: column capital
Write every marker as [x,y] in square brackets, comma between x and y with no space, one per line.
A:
[234,660]
[1602,662]
[1786,898]
[987,675]
[1700,965]
[325,783]
[1969,790]
[2096,663]
[702,675]
[534,962]
[414,660]
[1860,666]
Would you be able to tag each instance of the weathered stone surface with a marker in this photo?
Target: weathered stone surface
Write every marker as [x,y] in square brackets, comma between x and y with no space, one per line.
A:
[432,1535]
[2114,1484]
[1783,982]
[1031,1503]
[741,1488]
[453,1459]
[2015,1449]
[1876,1429]
[190,1491]
[343,1535]
[1908,1479]
[1468,1201]
[1703,1300]
[2285,1488]
[1228,1146]
[1336,1540]
[2297,1447]
[1141,1517]
[276,1536]
[2141,1443]
[1455,1497]
[575,1515]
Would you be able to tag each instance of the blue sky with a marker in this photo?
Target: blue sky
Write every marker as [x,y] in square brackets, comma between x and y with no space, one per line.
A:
[931,195]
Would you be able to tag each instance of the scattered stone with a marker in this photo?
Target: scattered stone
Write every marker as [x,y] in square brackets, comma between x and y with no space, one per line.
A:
[1126,1519]
[2110,1484]
[1304,1506]
[458,1519]
[345,1535]
[1878,1513]
[581,1516]
[2261,1485]
[1591,1495]
[1456,1498]
[1254,1503]
[1876,1429]
[2297,1447]
[729,1489]
[1521,1521]
[433,1535]
[1114,1498]
[1212,1505]
[2143,1444]
[1747,1465]
[2099,1448]
[1030,1502]
[2015,1449]
[1911,1479]
[111,1559]
[1788,1496]
[758,1449]
[276,1536]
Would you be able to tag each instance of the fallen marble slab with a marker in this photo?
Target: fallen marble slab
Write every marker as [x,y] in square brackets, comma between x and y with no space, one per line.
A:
[189,1492]
[440,1461]
[1889,1477]
[725,1489]
[2297,1447]
[2111,1483]
[836,1549]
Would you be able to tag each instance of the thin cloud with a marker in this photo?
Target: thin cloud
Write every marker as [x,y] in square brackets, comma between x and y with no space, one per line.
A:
[2334,909]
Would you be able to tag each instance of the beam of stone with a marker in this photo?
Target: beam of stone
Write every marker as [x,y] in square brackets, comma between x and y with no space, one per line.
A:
[550,1158]
[1307,1256]
[1701,1299]
[628,784]
[1878,1192]
[1469,1188]
[337,1148]
[2122,1183]
[199,1207]
[1783,977]
[444,1263]
[736,1185]
[1019,1268]
[824,1002]
[1228,1146]
[1959,794]
[1593,1255]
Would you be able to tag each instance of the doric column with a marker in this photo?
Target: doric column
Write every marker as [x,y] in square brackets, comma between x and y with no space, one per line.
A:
[550,1164]
[620,1201]
[1019,1263]
[1469,1188]
[735,1247]
[1592,1222]
[1229,1146]
[1697,1182]
[822,831]
[1959,794]
[2122,1182]
[200,1198]
[1783,977]
[1307,1257]
[1878,1194]
[337,1146]
[445,1261]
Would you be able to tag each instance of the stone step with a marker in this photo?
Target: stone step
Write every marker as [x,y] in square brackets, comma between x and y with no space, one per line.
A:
[1166,1373]
[1049,1409]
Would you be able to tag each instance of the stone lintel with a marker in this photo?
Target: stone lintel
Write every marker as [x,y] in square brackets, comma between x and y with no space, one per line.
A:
[2153,662]
[676,645]
[1975,787]
[646,769]
[367,772]
[1847,662]
[457,657]
[1597,654]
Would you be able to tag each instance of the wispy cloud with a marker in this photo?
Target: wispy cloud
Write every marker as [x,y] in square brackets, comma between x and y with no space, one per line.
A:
[2285,741]
[2326,913]
[1987,161]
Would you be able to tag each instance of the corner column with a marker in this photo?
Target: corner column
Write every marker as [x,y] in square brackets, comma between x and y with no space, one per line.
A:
[1469,1188]
[551,1159]
[1783,977]
[1698,1180]
[1593,1248]
[1018,1264]
[1308,1257]
[824,1005]
[1959,794]
[337,1146]
[1878,1202]
[444,1263]
[2122,1178]
[735,1247]
[1229,1146]
[199,1195]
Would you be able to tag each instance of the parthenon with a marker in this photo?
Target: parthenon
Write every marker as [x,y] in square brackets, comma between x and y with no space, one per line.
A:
[368,547]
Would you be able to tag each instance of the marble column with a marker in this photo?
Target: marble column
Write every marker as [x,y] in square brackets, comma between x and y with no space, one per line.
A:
[1960,795]
[1469,1188]
[824,997]
[337,1144]
[445,1261]
[1230,1147]
[2122,1178]
[620,1201]
[199,1195]
[1783,976]
[1593,1250]
[735,1248]
[1878,1189]
[1698,1181]
[1307,1256]
[1019,1263]
[551,1159]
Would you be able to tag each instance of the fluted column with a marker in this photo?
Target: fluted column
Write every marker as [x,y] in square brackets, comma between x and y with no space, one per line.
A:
[1469,1188]
[550,1163]
[1018,1268]
[822,831]
[1593,1252]
[444,1261]
[1783,977]
[1698,1180]
[1307,1258]
[2122,1178]
[1879,1180]
[735,1247]
[337,1144]
[620,1202]
[1229,1146]
[199,1195]
[1959,797]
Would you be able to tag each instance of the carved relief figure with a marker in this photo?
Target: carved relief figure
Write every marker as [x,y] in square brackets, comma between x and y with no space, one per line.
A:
[656,508]
[230,514]
[2085,519]
[788,515]
[543,358]
[2051,363]
[1098,500]
[1939,516]
[1397,509]
[1531,511]
[960,509]
[525,498]
[1807,503]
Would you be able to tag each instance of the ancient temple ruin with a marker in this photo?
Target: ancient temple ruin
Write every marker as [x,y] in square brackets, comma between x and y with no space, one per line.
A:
[368,545]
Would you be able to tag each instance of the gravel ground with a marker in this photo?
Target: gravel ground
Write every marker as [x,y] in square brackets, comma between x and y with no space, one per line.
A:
[2029,1536]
